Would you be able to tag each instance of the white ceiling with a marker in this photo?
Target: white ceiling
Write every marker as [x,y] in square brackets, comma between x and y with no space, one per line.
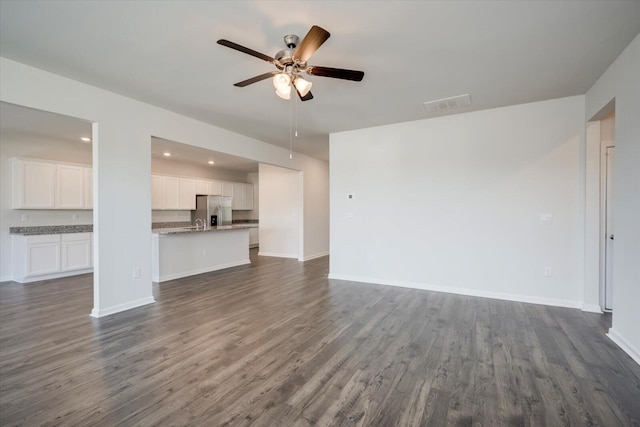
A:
[24,124]
[199,156]
[164,53]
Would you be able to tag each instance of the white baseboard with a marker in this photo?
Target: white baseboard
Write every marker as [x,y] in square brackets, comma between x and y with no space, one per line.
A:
[52,276]
[621,342]
[274,254]
[318,255]
[174,276]
[462,291]
[6,278]
[592,308]
[121,307]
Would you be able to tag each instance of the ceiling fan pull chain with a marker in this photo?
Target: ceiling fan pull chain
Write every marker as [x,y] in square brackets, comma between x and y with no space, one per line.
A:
[296,108]
[291,128]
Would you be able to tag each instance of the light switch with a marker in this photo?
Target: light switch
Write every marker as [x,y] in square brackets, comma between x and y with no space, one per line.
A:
[546,218]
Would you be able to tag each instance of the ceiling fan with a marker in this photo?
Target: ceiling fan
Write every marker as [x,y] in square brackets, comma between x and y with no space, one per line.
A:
[292,61]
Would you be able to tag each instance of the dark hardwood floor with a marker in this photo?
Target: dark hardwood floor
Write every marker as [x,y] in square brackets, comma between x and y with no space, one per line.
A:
[276,343]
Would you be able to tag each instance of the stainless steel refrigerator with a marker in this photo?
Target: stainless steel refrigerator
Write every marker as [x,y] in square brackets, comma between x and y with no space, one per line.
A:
[215,211]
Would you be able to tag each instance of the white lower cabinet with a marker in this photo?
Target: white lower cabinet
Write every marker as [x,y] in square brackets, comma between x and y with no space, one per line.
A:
[76,251]
[42,255]
[253,237]
[51,255]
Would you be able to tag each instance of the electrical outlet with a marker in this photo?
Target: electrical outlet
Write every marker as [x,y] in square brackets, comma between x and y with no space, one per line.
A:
[74,216]
[136,272]
[548,272]
[204,252]
[24,217]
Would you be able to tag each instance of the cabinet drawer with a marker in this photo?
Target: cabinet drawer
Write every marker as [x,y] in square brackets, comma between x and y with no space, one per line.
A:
[73,237]
[43,238]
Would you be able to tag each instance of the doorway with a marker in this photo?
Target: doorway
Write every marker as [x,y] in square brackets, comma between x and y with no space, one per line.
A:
[607,235]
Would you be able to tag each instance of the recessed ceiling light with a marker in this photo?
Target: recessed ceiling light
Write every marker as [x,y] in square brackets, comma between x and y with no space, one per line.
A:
[211,162]
[166,154]
[85,139]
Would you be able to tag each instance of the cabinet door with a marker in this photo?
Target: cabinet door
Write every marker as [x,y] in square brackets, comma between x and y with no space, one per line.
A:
[237,202]
[34,185]
[216,188]
[227,189]
[76,251]
[170,193]
[248,197]
[187,194]
[203,187]
[254,237]
[69,187]
[43,255]
[156,192]
[88,188]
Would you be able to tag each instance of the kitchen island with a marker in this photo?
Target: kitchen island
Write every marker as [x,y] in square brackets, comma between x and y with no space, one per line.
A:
[185,251]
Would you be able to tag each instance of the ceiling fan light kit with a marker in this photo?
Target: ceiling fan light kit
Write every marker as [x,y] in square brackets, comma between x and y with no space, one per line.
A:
[302,86]
[292,61]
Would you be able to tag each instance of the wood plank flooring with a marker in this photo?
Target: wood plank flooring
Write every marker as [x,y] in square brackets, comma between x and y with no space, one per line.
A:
[276,343]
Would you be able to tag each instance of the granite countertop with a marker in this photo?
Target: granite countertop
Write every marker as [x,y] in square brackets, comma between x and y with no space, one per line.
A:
[191,229]
[51,229]
[161,227]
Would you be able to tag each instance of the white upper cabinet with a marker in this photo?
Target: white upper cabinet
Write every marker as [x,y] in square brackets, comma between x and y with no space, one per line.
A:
[39,184]
[176,193]
[156,192]
[33,184]
[170,193]
[88,188]
[216,188]
[227,189]
[237,200]
[187,194]
[69,187]
[242,197]
[203,187]
[173,193]
[248,197]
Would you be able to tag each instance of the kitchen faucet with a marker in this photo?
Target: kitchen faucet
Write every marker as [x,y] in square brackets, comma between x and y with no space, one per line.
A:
[201,222]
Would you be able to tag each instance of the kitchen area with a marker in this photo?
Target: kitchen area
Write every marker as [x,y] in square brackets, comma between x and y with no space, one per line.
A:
[47,202]
[201,224]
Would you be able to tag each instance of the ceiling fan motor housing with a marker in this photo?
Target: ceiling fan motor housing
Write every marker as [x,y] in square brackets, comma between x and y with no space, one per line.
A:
[291,40]
[284,58]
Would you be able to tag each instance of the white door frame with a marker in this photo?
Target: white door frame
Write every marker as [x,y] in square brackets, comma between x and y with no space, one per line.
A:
[605,304]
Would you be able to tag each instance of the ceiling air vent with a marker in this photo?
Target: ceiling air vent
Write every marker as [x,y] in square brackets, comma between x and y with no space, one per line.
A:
[447,103]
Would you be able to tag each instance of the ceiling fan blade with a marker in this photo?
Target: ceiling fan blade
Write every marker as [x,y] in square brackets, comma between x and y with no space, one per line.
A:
[246,50]
[307,97]
[255,79]
[310,43]
[336,73]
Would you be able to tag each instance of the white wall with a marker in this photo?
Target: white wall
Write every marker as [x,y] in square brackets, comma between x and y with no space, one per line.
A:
[453,203]
[622,83]
[316,199]
[122,165]
[280,214]
[36,148]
